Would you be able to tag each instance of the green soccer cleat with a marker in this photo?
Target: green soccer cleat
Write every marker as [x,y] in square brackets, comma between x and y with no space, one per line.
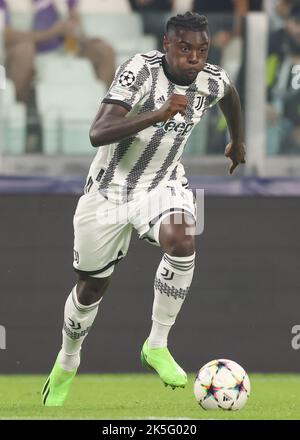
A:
[160,360]
[57,385]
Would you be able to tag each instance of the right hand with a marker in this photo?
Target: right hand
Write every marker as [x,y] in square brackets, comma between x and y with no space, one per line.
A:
[174,104]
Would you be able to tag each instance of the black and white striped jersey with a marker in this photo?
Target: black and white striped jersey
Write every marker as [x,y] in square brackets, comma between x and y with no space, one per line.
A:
[151,157]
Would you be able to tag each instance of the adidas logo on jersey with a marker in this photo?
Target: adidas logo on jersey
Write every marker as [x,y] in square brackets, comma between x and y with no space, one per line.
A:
[178,127]
[161,100]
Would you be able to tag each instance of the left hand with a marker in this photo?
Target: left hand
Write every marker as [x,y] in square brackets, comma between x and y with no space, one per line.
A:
[236,152]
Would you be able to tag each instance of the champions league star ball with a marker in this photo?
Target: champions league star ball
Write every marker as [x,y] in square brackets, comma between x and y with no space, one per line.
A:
[222,384]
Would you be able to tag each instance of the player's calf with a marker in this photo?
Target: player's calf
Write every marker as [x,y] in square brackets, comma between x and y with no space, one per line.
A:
[171,285]
[78,319]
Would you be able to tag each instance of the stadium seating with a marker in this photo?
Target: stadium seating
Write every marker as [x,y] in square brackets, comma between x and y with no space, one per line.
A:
[20,14]
[75,131]
[68,93]
[68,96]
[13,121]
[66,114]
[110,20]
[113,26]
[57,68]
[104,6]
[66,110]
[123,31]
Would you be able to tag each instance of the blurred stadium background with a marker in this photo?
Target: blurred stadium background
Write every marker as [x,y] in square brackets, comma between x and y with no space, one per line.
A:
[244,303]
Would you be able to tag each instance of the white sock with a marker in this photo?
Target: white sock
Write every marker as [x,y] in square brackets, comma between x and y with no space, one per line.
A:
[78,320]
[172,282]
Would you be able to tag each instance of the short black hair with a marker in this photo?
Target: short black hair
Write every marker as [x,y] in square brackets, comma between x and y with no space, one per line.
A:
[191,21]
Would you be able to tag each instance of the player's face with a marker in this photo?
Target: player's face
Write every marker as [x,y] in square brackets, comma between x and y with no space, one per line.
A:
[186,53]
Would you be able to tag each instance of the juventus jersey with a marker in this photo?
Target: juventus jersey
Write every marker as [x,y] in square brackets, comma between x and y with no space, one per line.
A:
[151,158]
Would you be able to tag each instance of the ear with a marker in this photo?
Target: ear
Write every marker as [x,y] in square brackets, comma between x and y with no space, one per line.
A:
[166,43]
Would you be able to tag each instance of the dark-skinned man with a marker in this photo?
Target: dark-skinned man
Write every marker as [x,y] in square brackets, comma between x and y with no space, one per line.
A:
[136,181]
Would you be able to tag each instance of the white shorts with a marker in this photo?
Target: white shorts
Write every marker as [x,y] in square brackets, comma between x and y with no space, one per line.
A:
[102,229]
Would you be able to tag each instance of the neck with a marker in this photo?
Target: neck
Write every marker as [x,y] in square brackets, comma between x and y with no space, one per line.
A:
[171,76]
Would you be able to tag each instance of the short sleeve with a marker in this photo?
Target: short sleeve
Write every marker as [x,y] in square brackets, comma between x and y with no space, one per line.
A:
[131,83]
[226,82]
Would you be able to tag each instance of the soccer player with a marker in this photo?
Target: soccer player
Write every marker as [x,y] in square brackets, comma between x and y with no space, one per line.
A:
[141,128]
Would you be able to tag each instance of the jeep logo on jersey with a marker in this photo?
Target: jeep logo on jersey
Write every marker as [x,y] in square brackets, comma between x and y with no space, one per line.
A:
[178,127]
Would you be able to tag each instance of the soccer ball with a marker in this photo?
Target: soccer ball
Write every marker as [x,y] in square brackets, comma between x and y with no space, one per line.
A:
[222,384]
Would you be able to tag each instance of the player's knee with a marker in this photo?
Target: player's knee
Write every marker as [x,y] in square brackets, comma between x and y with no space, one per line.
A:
[180,245]
[91,290]
[176,237]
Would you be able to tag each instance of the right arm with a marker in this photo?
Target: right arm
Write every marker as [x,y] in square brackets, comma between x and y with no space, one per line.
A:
[112,123]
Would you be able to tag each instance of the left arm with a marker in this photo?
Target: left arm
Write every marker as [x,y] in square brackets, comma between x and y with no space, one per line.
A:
[231,108]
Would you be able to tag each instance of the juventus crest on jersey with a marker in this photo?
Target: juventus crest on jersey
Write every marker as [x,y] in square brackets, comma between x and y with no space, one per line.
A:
[152,157]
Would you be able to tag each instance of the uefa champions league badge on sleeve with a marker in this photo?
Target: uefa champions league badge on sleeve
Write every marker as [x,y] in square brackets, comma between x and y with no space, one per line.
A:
[2,78]
[127,78]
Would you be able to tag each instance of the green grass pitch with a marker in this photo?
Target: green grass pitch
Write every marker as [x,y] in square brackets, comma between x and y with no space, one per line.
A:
[143,396]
